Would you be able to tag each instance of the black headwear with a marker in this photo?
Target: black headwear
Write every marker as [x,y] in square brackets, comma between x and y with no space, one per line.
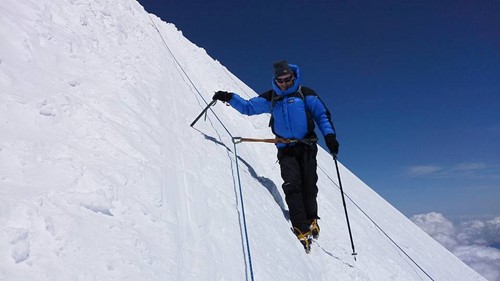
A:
[281,68]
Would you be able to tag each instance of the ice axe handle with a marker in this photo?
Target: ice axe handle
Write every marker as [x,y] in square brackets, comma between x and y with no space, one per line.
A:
[203,112]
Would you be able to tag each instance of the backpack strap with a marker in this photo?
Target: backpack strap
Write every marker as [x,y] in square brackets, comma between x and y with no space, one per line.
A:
[301,95]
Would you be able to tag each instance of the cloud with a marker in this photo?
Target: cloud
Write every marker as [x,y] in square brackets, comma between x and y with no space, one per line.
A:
[469,169]
[480,232]
[472,241]
[423,170]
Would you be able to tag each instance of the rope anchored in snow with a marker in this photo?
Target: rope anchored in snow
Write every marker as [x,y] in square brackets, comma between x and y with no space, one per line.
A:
[243,208]
[236,156]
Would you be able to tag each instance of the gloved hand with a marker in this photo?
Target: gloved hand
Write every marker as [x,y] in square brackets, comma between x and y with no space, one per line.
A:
[222,96]
[332,144]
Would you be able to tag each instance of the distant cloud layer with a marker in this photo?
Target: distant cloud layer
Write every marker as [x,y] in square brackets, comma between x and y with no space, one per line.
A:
[471,170]
[423,170]
[471,241]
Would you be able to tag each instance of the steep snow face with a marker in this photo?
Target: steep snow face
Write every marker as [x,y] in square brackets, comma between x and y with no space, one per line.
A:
[102,178]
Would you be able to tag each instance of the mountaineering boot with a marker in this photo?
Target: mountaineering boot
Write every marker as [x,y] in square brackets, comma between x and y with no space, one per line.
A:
[304,238]
[314,228]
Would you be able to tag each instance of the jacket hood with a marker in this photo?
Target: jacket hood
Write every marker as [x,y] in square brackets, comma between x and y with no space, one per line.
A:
[292,89]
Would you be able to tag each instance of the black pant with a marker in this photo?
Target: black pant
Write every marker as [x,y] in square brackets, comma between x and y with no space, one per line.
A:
[298,170]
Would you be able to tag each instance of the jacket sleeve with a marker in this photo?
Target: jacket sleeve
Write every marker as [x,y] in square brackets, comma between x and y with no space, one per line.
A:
[253,106]
[320,114]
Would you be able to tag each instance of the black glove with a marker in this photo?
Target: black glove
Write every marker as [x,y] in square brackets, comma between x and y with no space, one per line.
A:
[332,144]
[222,96]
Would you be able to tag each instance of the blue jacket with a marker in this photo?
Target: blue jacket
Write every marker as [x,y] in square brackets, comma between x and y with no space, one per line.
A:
[293,117]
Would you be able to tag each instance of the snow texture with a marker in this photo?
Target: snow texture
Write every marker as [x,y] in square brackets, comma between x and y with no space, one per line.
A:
[102,178]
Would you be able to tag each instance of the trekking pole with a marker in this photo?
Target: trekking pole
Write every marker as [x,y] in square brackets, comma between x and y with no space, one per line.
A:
[345,207]
[203,112]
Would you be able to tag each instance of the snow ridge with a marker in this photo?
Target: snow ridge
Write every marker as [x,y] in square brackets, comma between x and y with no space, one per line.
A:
[102,178]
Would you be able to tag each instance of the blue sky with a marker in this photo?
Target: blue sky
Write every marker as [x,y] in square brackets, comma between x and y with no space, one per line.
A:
[413,86]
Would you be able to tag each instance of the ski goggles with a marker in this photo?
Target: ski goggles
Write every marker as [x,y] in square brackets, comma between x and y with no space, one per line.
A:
[284,80]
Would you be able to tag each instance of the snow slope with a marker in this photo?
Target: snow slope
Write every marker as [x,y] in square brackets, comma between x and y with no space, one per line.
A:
[102,178]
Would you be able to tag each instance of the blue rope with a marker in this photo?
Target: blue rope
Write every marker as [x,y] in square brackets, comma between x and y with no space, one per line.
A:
[236,155]
[243,211]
